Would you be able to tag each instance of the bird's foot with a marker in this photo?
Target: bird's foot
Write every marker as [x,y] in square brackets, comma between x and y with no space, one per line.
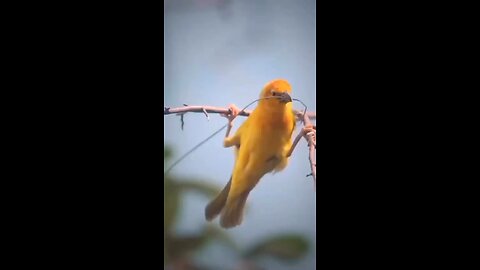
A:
[233,111]
[307,129]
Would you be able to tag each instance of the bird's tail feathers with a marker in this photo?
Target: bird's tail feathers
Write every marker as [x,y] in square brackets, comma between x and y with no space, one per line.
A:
[232,213]
[216,205]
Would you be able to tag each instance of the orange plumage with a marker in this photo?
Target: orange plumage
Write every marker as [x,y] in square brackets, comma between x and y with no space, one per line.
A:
[261,145]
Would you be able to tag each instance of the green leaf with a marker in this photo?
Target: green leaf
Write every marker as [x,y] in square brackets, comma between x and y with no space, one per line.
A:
[167,153]
[283,247]
[202,187]
[184,246]
[171,204]
[173,191]
[215,233]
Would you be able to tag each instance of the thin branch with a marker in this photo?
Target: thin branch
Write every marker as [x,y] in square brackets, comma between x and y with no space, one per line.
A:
[311,156]
[212,109]
[311,138]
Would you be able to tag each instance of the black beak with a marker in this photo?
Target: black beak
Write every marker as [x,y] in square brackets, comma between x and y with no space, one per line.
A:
[285,97]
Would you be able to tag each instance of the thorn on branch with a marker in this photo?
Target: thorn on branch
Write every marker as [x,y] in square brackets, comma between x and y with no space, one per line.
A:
[181,120]
[206,114]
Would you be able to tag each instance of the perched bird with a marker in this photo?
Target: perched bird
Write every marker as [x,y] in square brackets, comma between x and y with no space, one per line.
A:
[261,146]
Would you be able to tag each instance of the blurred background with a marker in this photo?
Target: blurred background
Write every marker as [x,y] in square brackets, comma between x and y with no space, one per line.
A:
[219,52]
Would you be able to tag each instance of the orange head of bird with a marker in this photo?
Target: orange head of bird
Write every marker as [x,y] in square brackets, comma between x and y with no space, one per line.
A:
[277,92]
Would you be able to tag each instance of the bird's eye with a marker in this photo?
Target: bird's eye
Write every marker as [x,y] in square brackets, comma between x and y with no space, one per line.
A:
[274,93]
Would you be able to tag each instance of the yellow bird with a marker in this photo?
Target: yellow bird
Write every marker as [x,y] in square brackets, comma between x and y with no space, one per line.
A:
[261,146]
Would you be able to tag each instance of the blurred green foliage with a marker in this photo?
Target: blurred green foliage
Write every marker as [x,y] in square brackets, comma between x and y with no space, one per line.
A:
[287,248]
[179,250]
